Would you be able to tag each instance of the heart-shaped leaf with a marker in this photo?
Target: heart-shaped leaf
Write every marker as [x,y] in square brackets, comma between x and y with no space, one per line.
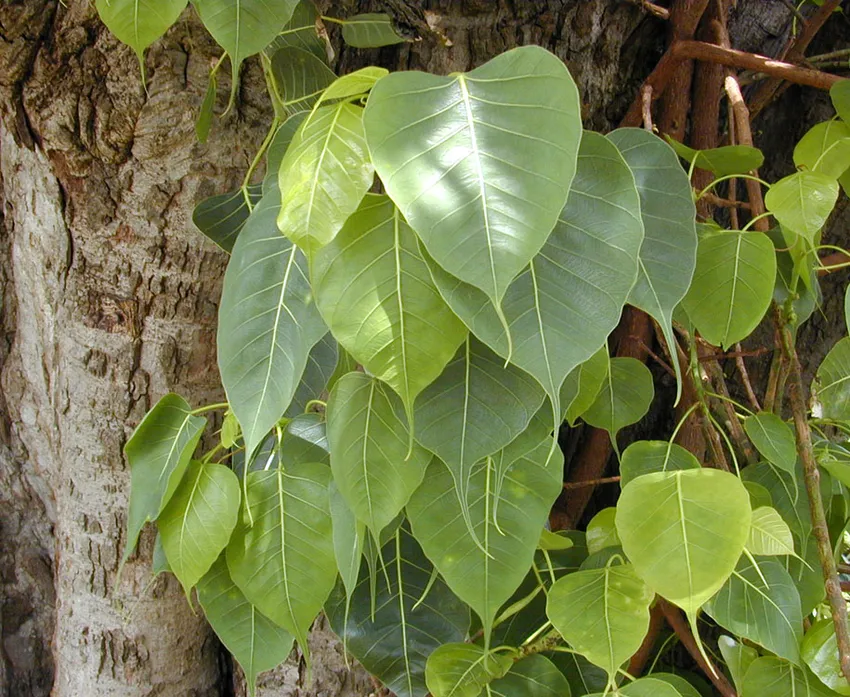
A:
[646,687]
[602,531]
[222,217]
[722,161]
[831,386]
[647,456]
[825,148]
[803,201]
[583,384]
[370,30]
[625,396]
[300,76]
[463,670]
[300,32]
[535,676]
[773,438]
[773,676]
[769,534]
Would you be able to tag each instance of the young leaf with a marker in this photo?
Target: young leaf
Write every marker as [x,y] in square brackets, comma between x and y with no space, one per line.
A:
[507,523]
[197,522]
[732,285]
[738,657]
[138,23]
[534,676]
[324,175]
[284,562]
[580,278]
[349,535]
[603,614]
[723,161]
[646,687]
[394,643]
[268,323]
[321,363]
[769,534]
[820,652]
[625,396]
[840,95]
[773,676]
[831,388]
[353,84]
[300,76]
[601,531]
[256,642]
[825,148]
[803,201]
[582,386]
[376,294]
[369,451]
[158,452]
[668,253]
[222,217]
[370,30]
[684,531]
[278,148]
[463,670]
[761,604]
[244,27]
[479,163]
[773,438]
[647,456]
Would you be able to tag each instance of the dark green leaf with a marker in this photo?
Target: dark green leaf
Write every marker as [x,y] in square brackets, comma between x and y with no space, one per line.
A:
[321,363]
[820,652]
[349,535]
[370,31]
[300,77]
[773,438]
[840,95]
[300,32]
[583,384]
[773,676]
[463,670]
[205,114]
[534,676]
[222,217]
[738,656]
[278,147]
[831,387]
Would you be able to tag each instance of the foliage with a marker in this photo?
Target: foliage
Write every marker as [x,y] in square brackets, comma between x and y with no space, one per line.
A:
[398,365]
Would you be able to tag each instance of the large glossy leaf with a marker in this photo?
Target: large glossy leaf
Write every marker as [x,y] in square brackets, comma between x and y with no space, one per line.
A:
[324,175]
[300,77]
[773,438]
[370,30]
[803,201]
[773,676]
[376,294]
[535,676]
[284,560]
[138,23]
[256,642]
[732,285]
[370,458]
[625,396]
[395,642]
[244,27]
[825,148]
[770,535]
[268,323]
[584,677]
[222,217]
[647,456]
[197,522]
[463,670]
[158,452]
[831,387]
[480,163]
[484,572]
[562,307]
[820,652]
[668,252]
[603,614]
[761,604]
[684,531]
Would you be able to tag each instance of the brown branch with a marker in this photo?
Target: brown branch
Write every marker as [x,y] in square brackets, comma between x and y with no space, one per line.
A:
[683,631]
[652,8]
[736,431]
[722,202]
[646,92]
[644,653]
[590,482]
[833,259]
[745,378]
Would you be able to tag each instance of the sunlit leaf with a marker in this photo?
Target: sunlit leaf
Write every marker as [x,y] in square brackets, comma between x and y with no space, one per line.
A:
[831,387]
[370,30]
[646,687]
[601,531]
[647,456]
[769,534]
[820,652]
[825,148]
[840,95]
[278,147]
[803,201]
[625,396]
[463,670]
[722,161]
[682,686]
[349,535]
[773,438]
[773,676]
[222,217]
[582,386]
[534,676]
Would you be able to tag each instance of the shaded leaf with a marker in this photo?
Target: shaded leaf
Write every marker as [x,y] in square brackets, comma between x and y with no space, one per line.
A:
[773,676]
[300,32]
[222,217]
[647,687]
[370,30]
[321,363]
[305,440]
[722,161]
[463,670]
[349,535]
[534,676]
[831,387]
[647,456]
[278,148]
[582,386]
[601,531]
[840,95]
[738,656]
[625,396]
[683,687]
[203,123]
[301,76]
[773,438]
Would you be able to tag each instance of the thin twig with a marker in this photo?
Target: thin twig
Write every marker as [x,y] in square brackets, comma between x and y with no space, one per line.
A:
[652,8]
[745,378]
[590,482]
[736,431]
[796,12]
[725,202]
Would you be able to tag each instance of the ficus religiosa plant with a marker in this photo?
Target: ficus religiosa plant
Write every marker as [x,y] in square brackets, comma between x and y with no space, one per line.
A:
[420,293]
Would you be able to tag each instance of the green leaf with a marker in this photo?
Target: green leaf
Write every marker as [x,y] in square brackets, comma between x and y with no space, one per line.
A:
[580,278]
[601,531]
[305,440]
[463,670]
[684,688]
[769,533]
[268,323]
[603,614]
[244,27]
[773,438]
[376,294]
[553,541]
[349,535]
[584,677]
[205,115]
[723,161]
[668,253]
[684,531]
[370,458]
[479,163]
[738,656]
[507,520]
[300,76]
[582,386]
[394,643]
[625,396]
[300,32]
[646,687]
[732,286]
[773,676]
[354,84]
[847,308]
[321,363]
[324,175]
[138,23]
[825,148]
[831,386]
[222,217]
[370,30]
[534,676]
[159,563]
[197,522]
[840,95]
[759,495]
[284,562]
[159,452]
[256,642]
[647,456]
[761,604]
[278,148]
[803,201]
[820,652]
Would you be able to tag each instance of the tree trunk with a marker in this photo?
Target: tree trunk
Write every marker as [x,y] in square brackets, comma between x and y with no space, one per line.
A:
[109,300]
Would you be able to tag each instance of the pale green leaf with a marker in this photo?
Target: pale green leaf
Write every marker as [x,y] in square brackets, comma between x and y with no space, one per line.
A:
[534,676]
[773,676]
[646,687]
[825,148]
[803,201]
[831,386]
[769,533]
[583,384]
[222,217]
[480,163]
[370,459]
[354,84]
[300,77]
[463,670]
[773,438]
[197,522]
[624,398]
[684,531]
[370,30]
[553,541]
[349,535]
[840,95]
[256,642]
[278,148]
[732,285]
[602,531]
[722,161]
[158,452]
[376,294]
[820,652]
[324,175]
[647,456]
[603,614]
[738,656]
[268,323]
[284,560]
